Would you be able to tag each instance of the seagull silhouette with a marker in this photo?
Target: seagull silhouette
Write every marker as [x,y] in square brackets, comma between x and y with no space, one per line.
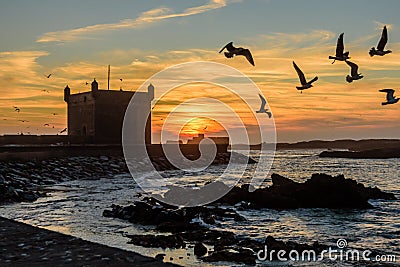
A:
[48,76]
[340,55]
[64,130]
[46,91]
[354,75]
[262,107]
[303,81]
[390,98]
[238,51]
[17,109]
[380,51]
[46,124]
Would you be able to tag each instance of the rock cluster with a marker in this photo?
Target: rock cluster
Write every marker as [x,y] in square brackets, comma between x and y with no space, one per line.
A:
[161,163]
[380,153]
[190,228]
[320,191]
[22,181]
[193,227]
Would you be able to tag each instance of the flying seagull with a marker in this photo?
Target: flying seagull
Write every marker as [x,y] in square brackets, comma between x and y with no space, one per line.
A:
[340,55]
[303,81]
[354,72]
[17,109]
[238,51]
[46,91]
[46,124]
[381,45]
[64,130]
[390,98]
[48,76]
[262,107]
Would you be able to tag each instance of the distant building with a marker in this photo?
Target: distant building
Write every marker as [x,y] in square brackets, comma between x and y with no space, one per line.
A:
[217,140]
[98,114]
[170,142]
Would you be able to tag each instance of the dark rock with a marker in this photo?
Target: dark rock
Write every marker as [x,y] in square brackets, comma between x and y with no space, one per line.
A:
[160,257]
[244,256]
[168,218]
[321,191]
[160,241]
[383,153]
[20,181]
[200,250]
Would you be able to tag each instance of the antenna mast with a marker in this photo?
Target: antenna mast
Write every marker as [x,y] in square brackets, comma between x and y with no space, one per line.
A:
[108,83]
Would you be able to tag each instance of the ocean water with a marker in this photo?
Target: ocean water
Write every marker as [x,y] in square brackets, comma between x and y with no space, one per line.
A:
[76,207]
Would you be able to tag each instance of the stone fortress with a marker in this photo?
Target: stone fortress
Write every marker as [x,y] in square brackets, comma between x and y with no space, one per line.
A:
[98,115]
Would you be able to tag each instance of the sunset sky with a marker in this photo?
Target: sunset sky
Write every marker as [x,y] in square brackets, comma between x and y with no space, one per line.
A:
[76,40]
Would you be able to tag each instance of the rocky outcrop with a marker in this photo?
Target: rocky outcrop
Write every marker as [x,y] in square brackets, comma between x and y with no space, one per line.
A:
[190,228]
[385,153]
[22,181]
[168,218]
[321,191]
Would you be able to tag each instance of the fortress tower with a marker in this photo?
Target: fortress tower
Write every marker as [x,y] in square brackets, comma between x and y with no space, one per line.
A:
[98,115]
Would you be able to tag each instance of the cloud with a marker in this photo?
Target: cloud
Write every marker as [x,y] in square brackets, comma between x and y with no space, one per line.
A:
[147,17]
[331,109]
[380,25]
[19,70]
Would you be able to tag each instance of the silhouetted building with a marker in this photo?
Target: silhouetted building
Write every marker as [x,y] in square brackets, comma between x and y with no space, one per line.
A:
[99,114]
[171,142]
[217,140]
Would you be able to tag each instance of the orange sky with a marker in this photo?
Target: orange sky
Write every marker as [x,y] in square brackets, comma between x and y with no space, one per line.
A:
[332,109]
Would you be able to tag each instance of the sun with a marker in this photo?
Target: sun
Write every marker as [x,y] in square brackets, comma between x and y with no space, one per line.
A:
[201,125]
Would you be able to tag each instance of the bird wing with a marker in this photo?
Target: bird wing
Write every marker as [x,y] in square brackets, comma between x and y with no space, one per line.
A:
[354,68]
[313,80]
[383,40]
[389,93]
[229,47]
[247,54]
[263,102]
[340,46]
[300,73]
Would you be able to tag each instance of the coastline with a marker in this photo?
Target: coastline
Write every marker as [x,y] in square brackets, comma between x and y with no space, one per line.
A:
[25,245]
[386,153]
[106,163]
